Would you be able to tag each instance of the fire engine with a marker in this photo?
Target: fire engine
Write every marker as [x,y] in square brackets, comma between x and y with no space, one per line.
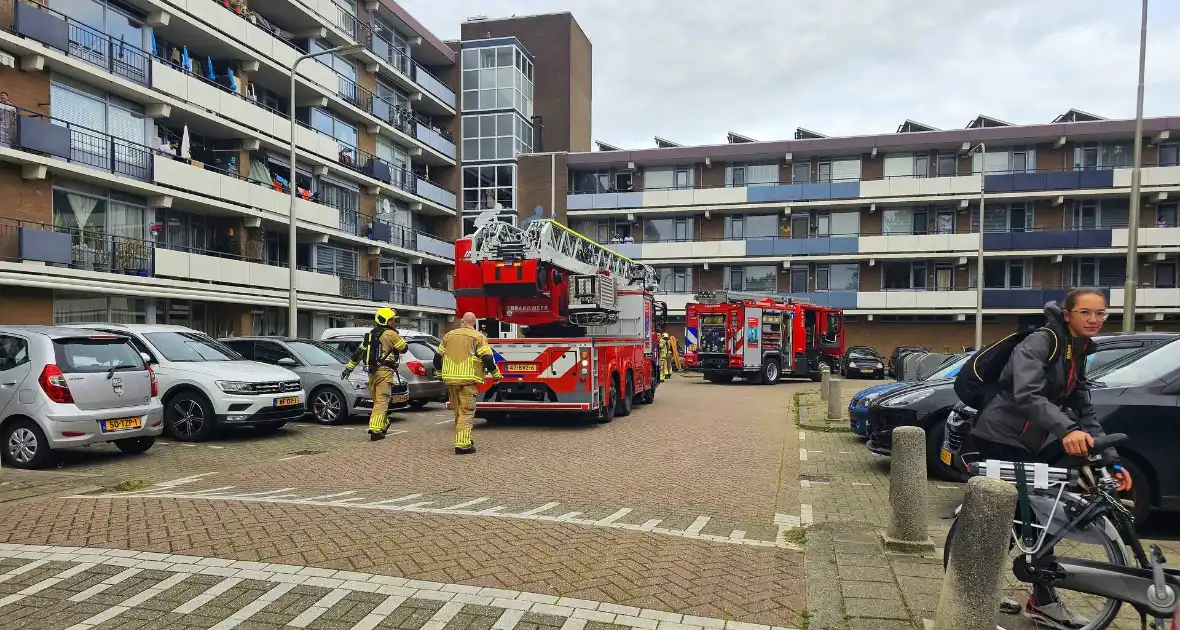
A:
[589,324]
[760,338]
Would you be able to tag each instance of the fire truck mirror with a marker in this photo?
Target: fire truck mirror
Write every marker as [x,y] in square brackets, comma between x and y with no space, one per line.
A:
[661,316]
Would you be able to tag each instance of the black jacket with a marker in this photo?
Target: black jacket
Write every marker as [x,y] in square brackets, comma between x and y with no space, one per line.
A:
[1039,399]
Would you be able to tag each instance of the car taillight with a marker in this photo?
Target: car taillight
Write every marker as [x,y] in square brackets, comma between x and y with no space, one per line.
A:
[416,367]
[53,383]
[155,383]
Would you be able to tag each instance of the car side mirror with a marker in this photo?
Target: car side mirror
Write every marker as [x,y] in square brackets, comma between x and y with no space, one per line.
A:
[1172,388]
[147,358]
[286,362]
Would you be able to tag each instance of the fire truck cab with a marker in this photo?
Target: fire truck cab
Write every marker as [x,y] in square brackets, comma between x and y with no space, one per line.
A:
[760,338]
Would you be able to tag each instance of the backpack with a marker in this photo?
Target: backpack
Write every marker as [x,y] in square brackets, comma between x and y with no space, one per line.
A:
[374,358]
[978,380]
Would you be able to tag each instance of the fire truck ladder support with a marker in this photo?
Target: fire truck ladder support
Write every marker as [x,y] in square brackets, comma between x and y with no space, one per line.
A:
[557,245]
[725,296]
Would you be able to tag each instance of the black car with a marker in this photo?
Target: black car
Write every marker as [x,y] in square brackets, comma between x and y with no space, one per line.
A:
[898,354]
[862,361]
[927,403]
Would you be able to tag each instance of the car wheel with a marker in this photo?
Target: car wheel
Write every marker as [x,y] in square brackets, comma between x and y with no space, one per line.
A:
[770,372]
[135,445]
[957,471]
[419,403]
[327,406]
[1141,492]
[607,412]
[626,399]
[188,417]
[25,446]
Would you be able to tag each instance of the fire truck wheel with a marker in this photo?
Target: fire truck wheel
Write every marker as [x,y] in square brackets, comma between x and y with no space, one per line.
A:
[626,398]
[607,412]
[770,372]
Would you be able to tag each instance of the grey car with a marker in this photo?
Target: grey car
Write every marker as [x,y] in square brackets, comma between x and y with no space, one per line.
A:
[64,387]
[330,399]
[417,368]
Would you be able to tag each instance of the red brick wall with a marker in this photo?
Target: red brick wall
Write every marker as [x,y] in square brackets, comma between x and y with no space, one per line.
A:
[29,200]
[533,176]
[19,305]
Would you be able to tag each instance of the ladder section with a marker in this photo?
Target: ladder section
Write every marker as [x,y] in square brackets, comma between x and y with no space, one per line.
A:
[553,243]
[725,295]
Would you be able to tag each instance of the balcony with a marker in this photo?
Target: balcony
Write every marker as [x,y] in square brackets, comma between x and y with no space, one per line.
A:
[915,299]
[1049,180]
[843,189]
[1148,237]
[42,24]
[834,299]
[433,85]
[434,139]
[435,298]
[434,246]
[688,249]
[811,246]
[429,190]
[88,249]
[604,201]
[920,186]
[918,243]
[1149,176]
[1025,298]
[43,135]
[1038,239]
[1147,297]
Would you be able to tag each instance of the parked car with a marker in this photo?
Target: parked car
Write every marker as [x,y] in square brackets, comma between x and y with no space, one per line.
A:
[417,369]
[205,385]
[894,365]
[331,399]
[858,407]
[64,387]
[927,403]
[862,361]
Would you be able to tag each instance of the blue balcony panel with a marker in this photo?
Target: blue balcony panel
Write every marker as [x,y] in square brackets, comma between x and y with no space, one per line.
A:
[1061,180]
[630,200]
[845,190]
[1014,298]
[822,190]
[760,246]
[997,240]
[1029,181]
[997,183]
[844,245]
[605,201]
[1056,239]
[788,246]
[630,250]
[1046,240]
[814,246]
[756,194]
[1096,179]
[833,299]
[789,192]
[1093,238]
[579,202]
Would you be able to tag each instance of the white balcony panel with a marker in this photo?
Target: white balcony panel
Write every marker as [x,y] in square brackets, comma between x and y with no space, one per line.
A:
[203,94]
[714,196]
[317,213]
[268,276]
[233,25]
[905,243]
[963,184]
[260,40]
[171,263]
[728,249]
[874,188]
[208,268]
[943,299]
[655,198]
[680,197]
[313,282]
[170,172]
[1157,298]
[963,242]
[1148,237]
[1122,177]
[902,299]
[904,186]
[267,199]
[872,244]
[236,190]
[210,13]
[872,299]
[326,145]
[666,250]
[435,298]
[169,80]
[934,186]
[235,271]
[1160,176]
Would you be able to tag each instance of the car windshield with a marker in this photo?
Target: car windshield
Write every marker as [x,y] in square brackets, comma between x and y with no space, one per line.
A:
[316,353]
[1141,368]
[96,355]
[191,347]
[862,354]
[949,369]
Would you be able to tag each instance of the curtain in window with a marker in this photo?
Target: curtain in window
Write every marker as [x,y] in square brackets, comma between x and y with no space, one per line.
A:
[657,178]
[83,207]
[846,169]
[128,220]
[899,221]
[259,172]
[899,165]
[845,223]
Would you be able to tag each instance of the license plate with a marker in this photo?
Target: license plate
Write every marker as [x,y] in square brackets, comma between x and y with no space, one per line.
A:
[865,371]
[286,401]
[945,456]
[401,399]
[520,367]
[121,424]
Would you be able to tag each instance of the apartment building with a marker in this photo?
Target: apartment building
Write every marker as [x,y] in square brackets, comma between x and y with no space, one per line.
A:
[887,226]
[145,166]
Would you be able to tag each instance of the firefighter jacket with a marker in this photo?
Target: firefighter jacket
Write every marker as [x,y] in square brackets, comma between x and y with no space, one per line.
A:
[380,349]
[465,358]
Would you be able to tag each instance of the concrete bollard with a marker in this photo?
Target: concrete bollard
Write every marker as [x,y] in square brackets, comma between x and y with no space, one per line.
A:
[978,555]
[907,492]
[835,406]
[825,381]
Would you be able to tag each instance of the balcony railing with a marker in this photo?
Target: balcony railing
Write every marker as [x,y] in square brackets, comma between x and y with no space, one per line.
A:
[41,134]
[86,248]
[434,85]
[54,29]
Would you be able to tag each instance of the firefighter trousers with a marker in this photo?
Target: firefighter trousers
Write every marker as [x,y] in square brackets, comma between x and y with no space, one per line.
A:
[462,399]
[665,368]
[380,390]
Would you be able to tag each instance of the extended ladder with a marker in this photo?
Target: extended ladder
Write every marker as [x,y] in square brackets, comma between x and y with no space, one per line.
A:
[554,243]
[725,295]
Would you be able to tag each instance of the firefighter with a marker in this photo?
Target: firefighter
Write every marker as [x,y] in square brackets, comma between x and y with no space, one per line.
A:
[464,359]
[665,357]
[380,352]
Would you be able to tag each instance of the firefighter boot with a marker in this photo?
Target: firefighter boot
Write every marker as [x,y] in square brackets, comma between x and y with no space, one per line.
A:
[463,402]
[379,391]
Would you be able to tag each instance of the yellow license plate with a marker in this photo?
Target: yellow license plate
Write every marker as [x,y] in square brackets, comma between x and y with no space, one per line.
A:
[864,371]
[121,424]
[520,367]
[945,456]
[401,399]
[286,401]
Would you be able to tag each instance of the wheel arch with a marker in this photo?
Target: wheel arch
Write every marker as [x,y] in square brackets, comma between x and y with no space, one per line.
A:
[1142,463]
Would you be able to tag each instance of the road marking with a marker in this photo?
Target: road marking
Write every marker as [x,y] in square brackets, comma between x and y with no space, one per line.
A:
[843,452]
[383,610]
[264,493]
[451,421]
[135,600]
[254,607]
[802,454]
[492,510]
[104,585]
[460,506]
[802,436]
[567,516]
[329,496]
[861,483]
[24,568]
[206,597]
[287,459]
[650,524]
[803,483]
[212,490]
[349,499]
[215,447]
[805,514]
[538,510]
[184,480]
[620,513]
[948,487]
[697,525]
[508,620]
[397,500]
[737,534]
[44,584]
[317,609]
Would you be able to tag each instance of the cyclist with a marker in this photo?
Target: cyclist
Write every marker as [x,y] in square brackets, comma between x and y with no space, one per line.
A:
[1043,395]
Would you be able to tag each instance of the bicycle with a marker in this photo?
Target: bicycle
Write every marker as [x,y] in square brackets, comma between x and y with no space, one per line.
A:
[1071,502]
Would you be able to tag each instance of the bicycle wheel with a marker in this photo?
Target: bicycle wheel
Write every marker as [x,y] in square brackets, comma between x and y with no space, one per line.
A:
[1101,612]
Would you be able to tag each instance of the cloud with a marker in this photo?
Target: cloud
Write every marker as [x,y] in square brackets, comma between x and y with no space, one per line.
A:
[690,71]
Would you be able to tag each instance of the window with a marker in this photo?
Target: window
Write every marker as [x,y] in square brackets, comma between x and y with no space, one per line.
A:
[396,157]
[624,181]
[740,174]
[909,165]
[1005,217]
[1015,160]
[801,172]
[800,279]
[751,226]
[844,223]
[903,221]
[190,347]
[469,222]
[762,278]
[948,165]
[1167,215]
[1002,274]
[121,24]
[1094,155]
[591,181]
[14,352]
[944,276]
[95,215]
[657,178]
[91,113]
[903,275]
[845,169]
[1099,272]
[675,279]
[486,186]
[327,123]
[1169,155]
[270,352]
[334,260]
[837,277]
[391,44]
[673,229]
[81,308]
[824,171]
[1100,214]
[921,165]
[944,221]
[496,136]
[1165,275]
[497,77]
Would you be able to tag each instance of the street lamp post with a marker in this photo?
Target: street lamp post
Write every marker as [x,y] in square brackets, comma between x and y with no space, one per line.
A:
[292,293]
[980,148]
[1133,213]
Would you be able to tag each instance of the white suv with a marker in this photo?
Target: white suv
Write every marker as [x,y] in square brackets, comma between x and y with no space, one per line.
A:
[204,384]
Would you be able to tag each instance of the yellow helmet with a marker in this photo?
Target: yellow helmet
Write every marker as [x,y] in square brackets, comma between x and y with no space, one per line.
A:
[385,315]
[665,335]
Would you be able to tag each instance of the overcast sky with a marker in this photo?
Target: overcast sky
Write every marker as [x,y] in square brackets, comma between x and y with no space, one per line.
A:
[692,70]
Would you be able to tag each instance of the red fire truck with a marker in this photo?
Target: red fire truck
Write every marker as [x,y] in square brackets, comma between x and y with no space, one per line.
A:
[760,338]
[589,323]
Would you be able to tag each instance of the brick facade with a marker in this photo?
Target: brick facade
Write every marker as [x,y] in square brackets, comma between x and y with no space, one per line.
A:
[27,200]
[20,305]
[536,175]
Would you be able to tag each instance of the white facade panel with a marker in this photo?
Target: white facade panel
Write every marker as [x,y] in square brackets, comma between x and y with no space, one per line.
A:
[716,196]
[871,299]
[313,282]
[317,213]
[171,263]
[655,198]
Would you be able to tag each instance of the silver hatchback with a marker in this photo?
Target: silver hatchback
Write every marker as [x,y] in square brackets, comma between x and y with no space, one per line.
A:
[65,387]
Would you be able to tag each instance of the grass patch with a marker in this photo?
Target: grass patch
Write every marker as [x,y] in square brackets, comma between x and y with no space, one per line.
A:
[129,486]
[796,535]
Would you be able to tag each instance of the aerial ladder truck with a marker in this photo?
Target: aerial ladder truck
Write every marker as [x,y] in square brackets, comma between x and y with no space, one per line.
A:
[589,323]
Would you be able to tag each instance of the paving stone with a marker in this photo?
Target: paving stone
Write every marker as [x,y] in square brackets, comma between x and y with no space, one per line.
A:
[875,608]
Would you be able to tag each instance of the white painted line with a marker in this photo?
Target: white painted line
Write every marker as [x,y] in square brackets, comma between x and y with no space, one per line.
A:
[697,525]
[322,606]
[206,597]
[815,451]
[287,459]
[508,620]
[417,505]
[573,623]
[567,516]
[131,602]
[110,613]
[446,613]
[254,607]
[450,421]
[397,500]
[650,524]
[805,515]
[843,452]
[330,496]
[737,534]
[184,480]
[861,483]
[22,569]
[620,513]
[459,506]
[215,447]
[212,490]
[264,493]
[349,499]
[398,432]
[46,583]
[803,483]
[539,509]
[383,610]
[493,510]
[802,436]
[104,585]
[802,454]
[948,487]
